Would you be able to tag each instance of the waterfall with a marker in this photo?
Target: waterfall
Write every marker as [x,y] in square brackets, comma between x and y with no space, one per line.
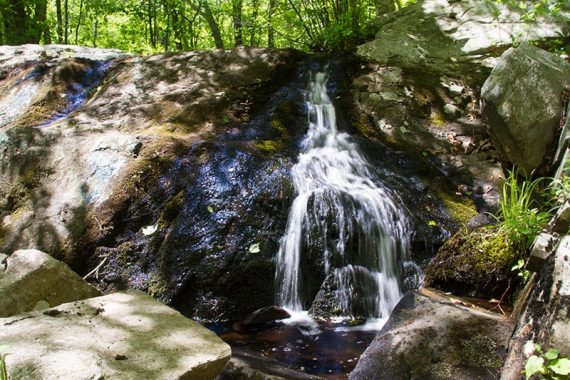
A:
[339,195]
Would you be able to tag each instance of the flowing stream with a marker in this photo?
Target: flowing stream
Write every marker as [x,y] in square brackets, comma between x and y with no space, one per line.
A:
[340,200]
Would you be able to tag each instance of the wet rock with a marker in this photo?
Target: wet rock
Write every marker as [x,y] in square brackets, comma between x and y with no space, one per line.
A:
[522,131]
[33,280]
[121,335]
[473,263]
[266,315]
[431,336]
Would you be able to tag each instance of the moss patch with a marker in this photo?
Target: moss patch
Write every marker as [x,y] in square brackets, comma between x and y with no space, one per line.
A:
[460,208]
[268,146]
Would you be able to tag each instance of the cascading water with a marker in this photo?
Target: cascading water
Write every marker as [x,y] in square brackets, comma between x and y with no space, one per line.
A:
[340,199]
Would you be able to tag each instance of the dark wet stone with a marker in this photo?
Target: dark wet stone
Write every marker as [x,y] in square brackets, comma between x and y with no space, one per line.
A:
[266,315]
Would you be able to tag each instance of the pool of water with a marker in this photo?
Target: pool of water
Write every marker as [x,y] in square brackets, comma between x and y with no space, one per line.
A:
[328,350]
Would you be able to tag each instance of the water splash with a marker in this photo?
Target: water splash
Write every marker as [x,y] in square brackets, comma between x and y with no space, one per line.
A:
[339,195]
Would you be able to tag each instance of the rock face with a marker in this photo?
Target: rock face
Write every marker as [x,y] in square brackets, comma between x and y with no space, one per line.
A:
[430,337]
[523,115]
[33,280]
[122,335]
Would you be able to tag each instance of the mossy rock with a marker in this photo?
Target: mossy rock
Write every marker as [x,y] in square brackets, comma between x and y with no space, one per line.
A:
[461,209]
[473,263]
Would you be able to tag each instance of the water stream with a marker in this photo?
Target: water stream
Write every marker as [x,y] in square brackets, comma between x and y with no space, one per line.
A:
[340,200]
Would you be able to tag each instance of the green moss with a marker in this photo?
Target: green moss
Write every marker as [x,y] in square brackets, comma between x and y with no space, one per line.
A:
[460,208]
[171,209]
[157,286]
[364,126]
[481,352]
[124,254]
[268,146]
[278,125]
[436,118]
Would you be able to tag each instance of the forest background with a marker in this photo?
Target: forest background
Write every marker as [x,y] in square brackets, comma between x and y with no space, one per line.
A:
[153,26]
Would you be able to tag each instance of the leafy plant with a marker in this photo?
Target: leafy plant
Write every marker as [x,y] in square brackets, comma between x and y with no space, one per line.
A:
[561,189]
[521,271]
[549,365]
[519,212]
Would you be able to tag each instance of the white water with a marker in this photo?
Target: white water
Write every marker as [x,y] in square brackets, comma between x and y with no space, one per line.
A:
[338,194]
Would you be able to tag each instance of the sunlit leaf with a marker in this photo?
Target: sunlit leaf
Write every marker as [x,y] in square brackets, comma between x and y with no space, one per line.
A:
[254,248]
[560,366]
[552,354]
[534,364]
[149,230]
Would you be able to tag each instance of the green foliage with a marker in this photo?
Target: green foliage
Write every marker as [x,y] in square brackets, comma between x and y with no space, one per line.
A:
[3,367]
[522,273]
[519,213]
[548,365]
[561,189]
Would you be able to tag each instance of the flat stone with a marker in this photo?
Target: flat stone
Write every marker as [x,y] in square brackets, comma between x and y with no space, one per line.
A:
[118,336]
[32,280]
[431,336]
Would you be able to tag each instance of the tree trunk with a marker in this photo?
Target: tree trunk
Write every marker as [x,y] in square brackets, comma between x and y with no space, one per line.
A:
[39,25]
[16,23]
[59,21]
[206,12]
[78,22]
[66,25]
[150,25]
[253,23]
[237,21]
[270,31]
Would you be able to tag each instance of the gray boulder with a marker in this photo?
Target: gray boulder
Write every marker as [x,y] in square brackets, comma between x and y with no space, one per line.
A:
[443,35]
[118,336]
[431,336]
[32,280]
[522,103]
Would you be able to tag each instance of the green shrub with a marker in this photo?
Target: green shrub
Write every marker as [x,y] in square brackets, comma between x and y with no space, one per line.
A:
[519,210]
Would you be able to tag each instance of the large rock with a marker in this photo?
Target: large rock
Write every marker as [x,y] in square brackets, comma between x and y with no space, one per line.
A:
[522,103]
[118,336]
[442,35]
[31,280]
[473,263]
[430,336]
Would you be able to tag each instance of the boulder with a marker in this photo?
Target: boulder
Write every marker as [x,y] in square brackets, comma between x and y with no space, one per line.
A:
[431,336]
[523,115]
[118,336]
[442,35]
[32,280]
[473,263]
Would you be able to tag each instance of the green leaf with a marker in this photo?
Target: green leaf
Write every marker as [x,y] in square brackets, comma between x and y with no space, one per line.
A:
[533,365]
[254,248]
[560,366]
[210,209]
[552,354]
[424,153]
[432,223]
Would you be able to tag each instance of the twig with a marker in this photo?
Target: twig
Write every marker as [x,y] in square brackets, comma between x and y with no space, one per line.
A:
[96,270]
[502,297]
